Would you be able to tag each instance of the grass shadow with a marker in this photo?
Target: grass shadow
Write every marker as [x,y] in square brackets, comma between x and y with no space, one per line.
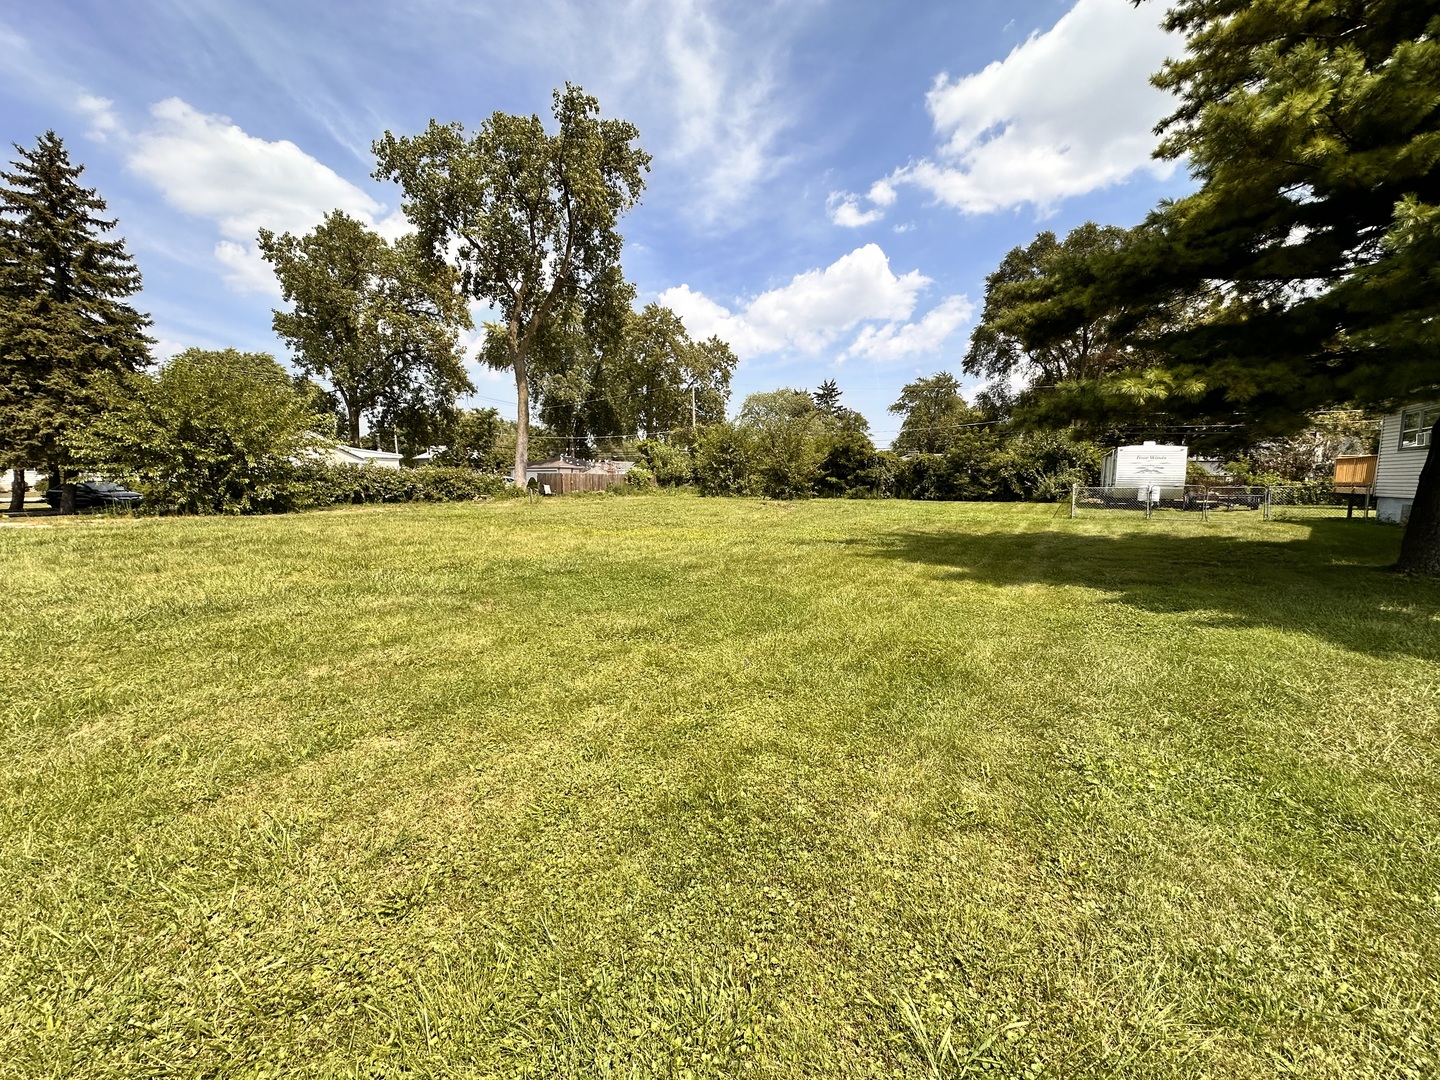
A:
[1332,582]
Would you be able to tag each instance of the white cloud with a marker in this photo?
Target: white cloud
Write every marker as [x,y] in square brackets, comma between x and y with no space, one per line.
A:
[101,113]
[208,167]
[819,307]
[1067,112]
[895,341]
[724,121]
[845,209]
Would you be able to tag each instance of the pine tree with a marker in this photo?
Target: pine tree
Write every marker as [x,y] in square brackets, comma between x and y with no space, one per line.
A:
[827,398]
[64,317]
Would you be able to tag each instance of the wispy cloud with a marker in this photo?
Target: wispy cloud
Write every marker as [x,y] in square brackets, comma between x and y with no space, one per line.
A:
[703,79]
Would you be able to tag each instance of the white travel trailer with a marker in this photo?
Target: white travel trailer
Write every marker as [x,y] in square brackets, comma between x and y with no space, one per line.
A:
[1151,468]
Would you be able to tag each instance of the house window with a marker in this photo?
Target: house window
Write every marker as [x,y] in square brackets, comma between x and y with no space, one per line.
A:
[1415,425]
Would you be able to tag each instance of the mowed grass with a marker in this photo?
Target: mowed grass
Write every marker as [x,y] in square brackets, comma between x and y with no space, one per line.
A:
[671,787]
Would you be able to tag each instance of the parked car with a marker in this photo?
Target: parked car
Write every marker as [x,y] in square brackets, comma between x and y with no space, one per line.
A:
[91,493]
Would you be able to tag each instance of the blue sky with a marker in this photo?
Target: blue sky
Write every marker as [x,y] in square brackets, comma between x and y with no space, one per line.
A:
[833,179]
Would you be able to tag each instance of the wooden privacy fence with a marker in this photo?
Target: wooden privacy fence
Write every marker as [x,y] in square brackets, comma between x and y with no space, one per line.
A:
[566,483]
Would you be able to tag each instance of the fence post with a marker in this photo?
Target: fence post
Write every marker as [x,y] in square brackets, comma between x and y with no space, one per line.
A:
[1267,503]
[1074,495]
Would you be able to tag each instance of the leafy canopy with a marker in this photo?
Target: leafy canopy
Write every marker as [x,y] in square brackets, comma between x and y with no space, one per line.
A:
[935,414]
[1029,337]
[529,219]
[640,376]
[212,432]
[379,321]
[1310,249]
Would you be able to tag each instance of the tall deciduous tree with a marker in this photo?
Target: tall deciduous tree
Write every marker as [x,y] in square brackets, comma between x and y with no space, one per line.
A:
[670,380]
[1312,244]
[529,217]
[934,412]
[1029,336]
[65,317]
[378,321]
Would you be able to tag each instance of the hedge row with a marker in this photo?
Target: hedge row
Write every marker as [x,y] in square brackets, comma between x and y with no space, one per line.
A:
[734,459]
[339,485]
[289,487]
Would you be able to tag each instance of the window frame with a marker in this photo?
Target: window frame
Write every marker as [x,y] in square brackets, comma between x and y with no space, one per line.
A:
[1417,437]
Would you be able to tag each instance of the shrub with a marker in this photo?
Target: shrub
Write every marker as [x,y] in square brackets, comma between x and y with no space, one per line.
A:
[725,461]
[986,465]
[213,432]
[317,484]
[454,484]
[1043,465]
[847,464]
[639,477]
[668,465]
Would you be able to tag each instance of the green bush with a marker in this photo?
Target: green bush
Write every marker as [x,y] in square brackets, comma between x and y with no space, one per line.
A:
[668,464]
[1042,466]
[725,461]
[319,484]
[212,432]
[986,465]
[457,484]
[639,477]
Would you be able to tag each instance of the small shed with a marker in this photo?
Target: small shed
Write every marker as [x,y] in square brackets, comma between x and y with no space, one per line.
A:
[1404,448]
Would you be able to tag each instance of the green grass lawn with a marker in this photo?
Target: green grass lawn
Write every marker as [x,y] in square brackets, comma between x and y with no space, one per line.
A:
[669,787]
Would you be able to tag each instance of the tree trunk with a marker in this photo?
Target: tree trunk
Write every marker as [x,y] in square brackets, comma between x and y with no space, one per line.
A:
[1420,548]
[67,497]
[17,492]
[352,422]
[522,421]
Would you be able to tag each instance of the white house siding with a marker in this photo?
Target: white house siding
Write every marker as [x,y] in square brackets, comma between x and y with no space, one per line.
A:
[1397,473]
[32,477]
[355,455]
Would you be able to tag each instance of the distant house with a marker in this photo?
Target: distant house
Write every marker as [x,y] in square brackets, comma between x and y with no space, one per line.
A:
[555,465]
[7,476]
[355,455]
[612,468]
[1404,446]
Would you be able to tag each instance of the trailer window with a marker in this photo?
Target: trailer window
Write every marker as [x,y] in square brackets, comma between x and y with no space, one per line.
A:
[1415,425]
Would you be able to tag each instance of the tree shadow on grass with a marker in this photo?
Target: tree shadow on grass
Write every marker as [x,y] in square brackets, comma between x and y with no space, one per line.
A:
[1332,583]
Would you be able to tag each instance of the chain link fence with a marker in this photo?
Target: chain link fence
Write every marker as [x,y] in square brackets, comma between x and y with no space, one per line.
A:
[1275,503]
